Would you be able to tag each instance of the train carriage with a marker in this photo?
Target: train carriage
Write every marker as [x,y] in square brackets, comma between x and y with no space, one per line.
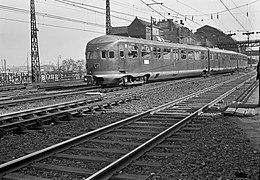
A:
[114,60]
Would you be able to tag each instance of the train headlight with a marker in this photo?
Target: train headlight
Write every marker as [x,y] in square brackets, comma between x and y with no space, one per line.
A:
[96,65]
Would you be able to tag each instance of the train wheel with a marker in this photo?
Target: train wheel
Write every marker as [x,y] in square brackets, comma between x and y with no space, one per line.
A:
[145,79]
[121,81]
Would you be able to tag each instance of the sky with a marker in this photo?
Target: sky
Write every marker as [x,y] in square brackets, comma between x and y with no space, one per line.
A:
[66,26]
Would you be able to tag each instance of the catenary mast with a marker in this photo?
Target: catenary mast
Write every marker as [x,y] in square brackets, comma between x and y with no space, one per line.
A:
[35,60]
[108,19]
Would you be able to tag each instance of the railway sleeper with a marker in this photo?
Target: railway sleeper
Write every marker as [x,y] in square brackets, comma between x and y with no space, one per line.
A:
[21,129]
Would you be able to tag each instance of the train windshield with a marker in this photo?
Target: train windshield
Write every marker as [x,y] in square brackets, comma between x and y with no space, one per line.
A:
[92,55]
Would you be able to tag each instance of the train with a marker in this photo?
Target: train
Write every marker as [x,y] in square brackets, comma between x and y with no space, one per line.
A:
[117,60]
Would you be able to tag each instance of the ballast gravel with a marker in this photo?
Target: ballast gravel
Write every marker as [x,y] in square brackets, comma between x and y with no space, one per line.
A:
[219,151]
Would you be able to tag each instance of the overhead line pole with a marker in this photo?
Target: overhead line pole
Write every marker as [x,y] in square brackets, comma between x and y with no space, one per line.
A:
[108,19]
[35,60]
[248,34]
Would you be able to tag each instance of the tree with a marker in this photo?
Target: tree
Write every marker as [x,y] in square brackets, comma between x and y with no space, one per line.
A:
[68,65]
[80,64]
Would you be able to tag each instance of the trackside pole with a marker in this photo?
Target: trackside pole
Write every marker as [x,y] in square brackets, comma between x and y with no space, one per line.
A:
[258,74]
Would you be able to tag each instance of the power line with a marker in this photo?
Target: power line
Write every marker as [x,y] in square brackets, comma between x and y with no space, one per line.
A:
[8,8]
[51,25]
[243,13]
[233,15]
[220,12]
[79,5]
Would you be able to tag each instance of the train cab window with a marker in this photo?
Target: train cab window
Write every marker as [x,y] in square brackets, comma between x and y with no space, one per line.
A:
[183,54]
[166,53]
[146,52]
[103,54]
[111,54]
[157,53]
[92,55]
[132,51]
[190,55]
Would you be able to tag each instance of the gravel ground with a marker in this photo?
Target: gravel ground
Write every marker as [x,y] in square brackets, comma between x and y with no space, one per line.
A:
[220,151]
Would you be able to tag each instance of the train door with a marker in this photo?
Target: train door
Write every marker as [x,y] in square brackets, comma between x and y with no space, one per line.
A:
[122,57]
[133,63]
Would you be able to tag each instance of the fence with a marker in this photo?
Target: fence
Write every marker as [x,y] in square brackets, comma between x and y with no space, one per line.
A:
[47,76]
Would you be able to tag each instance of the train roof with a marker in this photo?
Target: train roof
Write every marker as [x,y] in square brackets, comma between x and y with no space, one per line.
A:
[113,39]
[107,39]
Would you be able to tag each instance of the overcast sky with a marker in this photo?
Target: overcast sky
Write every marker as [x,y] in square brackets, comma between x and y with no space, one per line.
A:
[65,28]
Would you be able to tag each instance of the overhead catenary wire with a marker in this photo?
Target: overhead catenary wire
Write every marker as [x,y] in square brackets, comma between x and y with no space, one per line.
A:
[51,25]
[24,11]
[233,15]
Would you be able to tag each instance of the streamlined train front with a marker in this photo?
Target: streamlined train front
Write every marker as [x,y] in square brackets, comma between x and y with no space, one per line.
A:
[102,65]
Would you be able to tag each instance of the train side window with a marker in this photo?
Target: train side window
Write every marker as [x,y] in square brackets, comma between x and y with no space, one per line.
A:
[183,54]
[157,53]
[121,50]
[111,54]
[166,53]
[197,55]
[202,55]
[212,56]
[103,54]
[175,54]
[190,55]
[132,51]
[121,54]
[146,52]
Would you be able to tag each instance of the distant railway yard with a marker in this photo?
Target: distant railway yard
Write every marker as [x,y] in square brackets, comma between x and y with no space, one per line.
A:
[160,130]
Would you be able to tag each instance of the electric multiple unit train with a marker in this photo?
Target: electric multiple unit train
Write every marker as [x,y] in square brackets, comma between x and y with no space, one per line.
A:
[117,60]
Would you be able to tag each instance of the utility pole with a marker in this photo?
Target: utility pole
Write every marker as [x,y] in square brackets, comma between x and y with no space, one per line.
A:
[59,67]
[35,60]
[248,34]
[28,62]
[108,19]
[151,28]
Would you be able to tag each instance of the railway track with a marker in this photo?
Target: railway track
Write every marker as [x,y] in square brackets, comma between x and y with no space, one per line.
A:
[104,152]
[38,96]
[38,118]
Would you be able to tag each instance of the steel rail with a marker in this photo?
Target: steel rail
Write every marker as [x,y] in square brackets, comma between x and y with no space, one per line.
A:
[107,171]
[125,160]
[109,99]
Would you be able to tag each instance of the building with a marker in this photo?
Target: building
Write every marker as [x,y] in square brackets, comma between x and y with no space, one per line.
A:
[176,32]
[139,29]
[211,37]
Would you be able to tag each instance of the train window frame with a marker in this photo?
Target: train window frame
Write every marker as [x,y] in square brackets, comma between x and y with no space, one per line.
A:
[121,50]
[92,55]
[156,52]
[202,55]
[103,54]
[132,51]
[190,55]
[197,55]
[166,53]
[183,54]
[145,50]
[111,54]
[175,54]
